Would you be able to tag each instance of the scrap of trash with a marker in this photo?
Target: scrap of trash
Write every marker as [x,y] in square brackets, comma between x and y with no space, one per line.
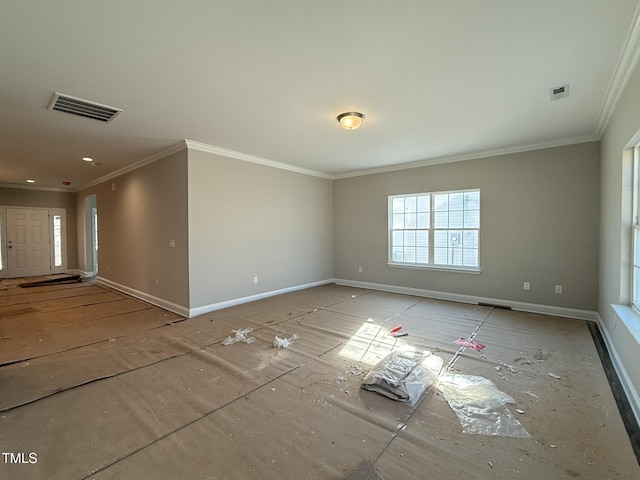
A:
[481,408]
[403,374]
[406,373]
[240,336]
[522,361]
[467,343]
[284,342]
[398,331]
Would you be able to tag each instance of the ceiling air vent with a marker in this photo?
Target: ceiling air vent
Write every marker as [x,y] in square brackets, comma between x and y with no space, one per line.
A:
[556,93]
[83,108]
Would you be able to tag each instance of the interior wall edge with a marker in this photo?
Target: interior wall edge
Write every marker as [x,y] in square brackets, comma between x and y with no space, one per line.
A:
[618,365]
[158,302]
[193,312]
[177,147]
[84,273]
[457,297]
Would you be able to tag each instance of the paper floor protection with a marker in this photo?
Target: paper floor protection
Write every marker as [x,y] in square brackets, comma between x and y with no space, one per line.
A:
[113,388]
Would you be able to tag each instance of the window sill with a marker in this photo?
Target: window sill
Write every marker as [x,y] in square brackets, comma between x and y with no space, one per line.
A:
[630,318]
[435,267]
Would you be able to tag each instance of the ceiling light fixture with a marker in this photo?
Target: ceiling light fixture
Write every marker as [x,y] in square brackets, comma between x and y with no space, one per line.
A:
[350,120]
[30,180]
[87,159]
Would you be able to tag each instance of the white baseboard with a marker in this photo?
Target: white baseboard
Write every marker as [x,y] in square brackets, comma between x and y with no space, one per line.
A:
[252,298]
[625,379]
[76,271]
[456,297]
[192,312]
[159,302]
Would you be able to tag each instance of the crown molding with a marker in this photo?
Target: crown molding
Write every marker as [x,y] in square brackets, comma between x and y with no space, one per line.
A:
[472,156]
[190,144]
[627,63]
[203,147]
[35,187]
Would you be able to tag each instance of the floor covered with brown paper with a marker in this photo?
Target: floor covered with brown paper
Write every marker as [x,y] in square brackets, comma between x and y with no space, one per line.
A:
[98,385]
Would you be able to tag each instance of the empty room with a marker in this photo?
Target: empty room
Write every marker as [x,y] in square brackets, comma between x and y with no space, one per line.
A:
[359,240]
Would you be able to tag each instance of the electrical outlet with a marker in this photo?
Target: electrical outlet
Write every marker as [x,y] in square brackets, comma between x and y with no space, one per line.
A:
[526,286]
[360,269]
[255,280]
[558,289]
[172,244]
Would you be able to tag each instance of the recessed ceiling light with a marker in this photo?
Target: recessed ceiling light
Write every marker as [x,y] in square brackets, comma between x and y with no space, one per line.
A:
[87,159]
[30,180]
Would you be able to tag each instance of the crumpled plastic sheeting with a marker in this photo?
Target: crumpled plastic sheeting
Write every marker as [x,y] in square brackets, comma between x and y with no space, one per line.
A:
[284,342]
[241,335]
[480,406]
[403,374]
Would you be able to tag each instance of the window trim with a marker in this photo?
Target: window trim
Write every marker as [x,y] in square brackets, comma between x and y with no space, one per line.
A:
[431,229]
[635,230]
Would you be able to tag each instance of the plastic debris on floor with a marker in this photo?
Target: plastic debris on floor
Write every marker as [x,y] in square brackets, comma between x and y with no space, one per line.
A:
[241,335]
[398,331]
[468,343]
[404,374]
[284,342]
[480,406]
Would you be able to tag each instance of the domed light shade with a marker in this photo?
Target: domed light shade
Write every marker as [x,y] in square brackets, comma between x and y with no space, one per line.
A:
[350,120]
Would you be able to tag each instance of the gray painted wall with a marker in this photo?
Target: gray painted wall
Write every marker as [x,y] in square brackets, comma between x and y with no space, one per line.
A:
[136,223]
[23,197]
[247,220]
[539,223]
[615,230]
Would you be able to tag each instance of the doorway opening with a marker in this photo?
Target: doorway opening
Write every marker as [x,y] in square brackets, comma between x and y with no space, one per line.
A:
[91,234]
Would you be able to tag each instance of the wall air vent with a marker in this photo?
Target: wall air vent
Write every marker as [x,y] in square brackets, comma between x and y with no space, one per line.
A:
[83,108]
[556,93]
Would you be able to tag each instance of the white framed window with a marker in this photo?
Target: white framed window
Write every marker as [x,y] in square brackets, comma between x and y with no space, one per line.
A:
[635,232]
[435,230]
[58,239]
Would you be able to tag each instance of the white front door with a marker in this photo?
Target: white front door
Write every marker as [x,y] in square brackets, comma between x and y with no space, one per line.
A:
[28,242]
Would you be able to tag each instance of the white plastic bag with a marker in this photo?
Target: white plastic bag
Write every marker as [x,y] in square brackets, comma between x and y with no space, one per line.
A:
[284,342]
[240,336]
[403,374]
[480,406]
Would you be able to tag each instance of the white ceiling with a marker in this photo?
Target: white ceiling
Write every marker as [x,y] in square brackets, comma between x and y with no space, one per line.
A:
[436,80]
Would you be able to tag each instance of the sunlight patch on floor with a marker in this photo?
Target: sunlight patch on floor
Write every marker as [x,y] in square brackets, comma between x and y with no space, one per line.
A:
[370,344]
